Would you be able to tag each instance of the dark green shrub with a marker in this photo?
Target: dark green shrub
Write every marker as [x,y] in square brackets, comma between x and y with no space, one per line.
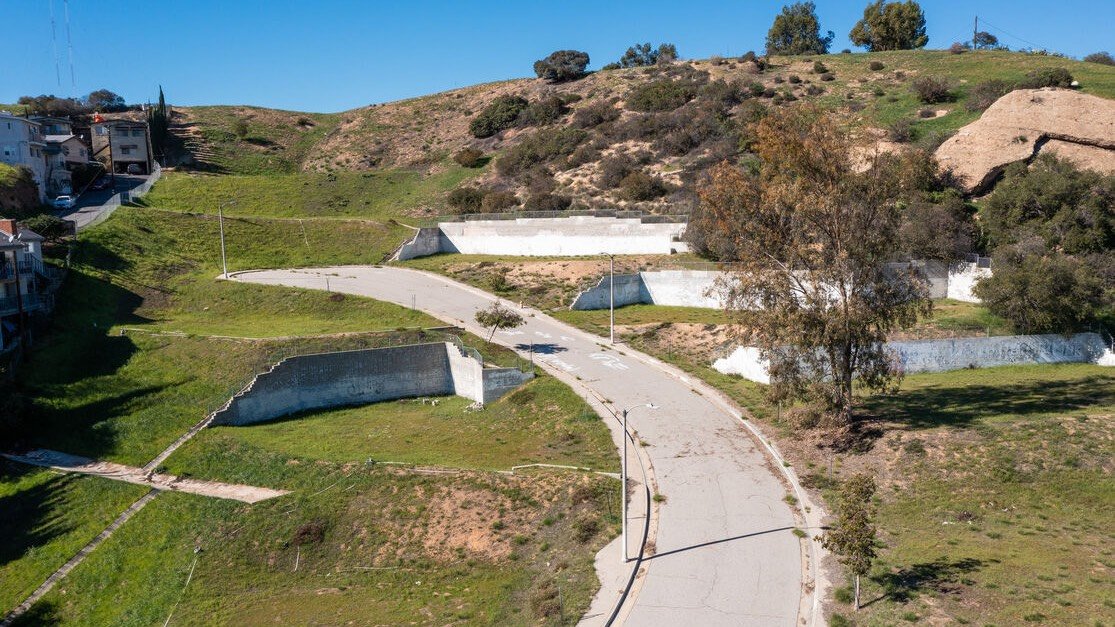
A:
[545,111]
[927,113]
[562,65]
[548,202]
[497,116]
[1047,77]
[497,201]
[585,528]
[582,155]
[794,79]
[819,68]
[931,90]
[756,89]
[814,90]
[469,158]
[1104,58]
[901,131]
[543,146]
[957,48]
[985,94]
[827,76]
[613,170]
[595,114]
[638,186]
[876,65]
[663,95]
[465,199]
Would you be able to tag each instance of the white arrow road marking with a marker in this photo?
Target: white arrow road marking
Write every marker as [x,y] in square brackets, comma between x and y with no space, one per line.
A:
[609,361]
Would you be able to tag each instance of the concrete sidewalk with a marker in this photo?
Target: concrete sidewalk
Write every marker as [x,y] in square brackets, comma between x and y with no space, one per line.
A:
[724,549]
[130,474]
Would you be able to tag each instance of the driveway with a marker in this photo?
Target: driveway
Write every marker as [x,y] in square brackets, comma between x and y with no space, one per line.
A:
[724,553]
[91,204]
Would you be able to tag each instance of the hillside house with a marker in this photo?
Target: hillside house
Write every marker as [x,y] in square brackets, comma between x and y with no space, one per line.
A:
[121,143]
[22,145]
[23,277]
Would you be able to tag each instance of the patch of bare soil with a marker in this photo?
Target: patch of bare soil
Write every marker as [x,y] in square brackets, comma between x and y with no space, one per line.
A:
[699,342]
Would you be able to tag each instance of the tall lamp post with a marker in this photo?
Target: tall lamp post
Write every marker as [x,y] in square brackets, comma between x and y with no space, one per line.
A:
[221,222]
[623,477]
[611,296]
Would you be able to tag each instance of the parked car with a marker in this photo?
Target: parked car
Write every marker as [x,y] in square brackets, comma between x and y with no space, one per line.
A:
[133,168]
[63,202]
[102,183]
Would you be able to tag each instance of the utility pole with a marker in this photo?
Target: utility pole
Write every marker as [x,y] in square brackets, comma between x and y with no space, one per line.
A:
[221,222]
[975,29]
[612,300]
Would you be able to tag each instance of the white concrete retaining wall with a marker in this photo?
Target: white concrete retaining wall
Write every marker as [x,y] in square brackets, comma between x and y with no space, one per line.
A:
[956,354]
[557,237]
[366,376]
[676,288]
[962,278]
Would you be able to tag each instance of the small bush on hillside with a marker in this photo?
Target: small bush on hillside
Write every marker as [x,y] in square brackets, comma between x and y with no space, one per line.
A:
[927,113]
[595,114]
[931,90]
[497,116]
[814,90]
[664,95]
[722,95]
[585,528]
[794,78]
[543,146]
[748,57]
[582,155]
[778,80]
[562,65]
[310,533]
[240,128]
[1104,58]
[878,92]
[756,89]
[465,199]
[876,65]
[497,201]
[469,158]
[545,111]
[985,94]
[548,202]
[614,169]
[827,76]
[819,68]
[1047,77]
[901,131]
[639,186]
[899,75]
[957,48]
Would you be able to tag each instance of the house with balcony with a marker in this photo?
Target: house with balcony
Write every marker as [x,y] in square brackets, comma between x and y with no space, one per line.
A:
[22,145]
[25,283]
[119,144]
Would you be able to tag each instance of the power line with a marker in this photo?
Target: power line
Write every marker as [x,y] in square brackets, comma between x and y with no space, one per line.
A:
[54,45]
[1015,36]
[70,45]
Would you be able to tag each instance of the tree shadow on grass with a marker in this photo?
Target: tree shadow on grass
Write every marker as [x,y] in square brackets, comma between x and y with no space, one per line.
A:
[29,518]
[940,575]
[42,613]
[962,405]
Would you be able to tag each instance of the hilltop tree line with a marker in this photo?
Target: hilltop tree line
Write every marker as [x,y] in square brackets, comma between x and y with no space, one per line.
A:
[99,101]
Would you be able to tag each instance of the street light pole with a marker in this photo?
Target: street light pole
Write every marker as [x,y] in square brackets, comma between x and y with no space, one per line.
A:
[612,298]
[623,481]
[221,222]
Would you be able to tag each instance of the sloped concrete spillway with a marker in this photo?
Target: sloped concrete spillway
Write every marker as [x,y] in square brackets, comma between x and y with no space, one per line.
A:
[359,377]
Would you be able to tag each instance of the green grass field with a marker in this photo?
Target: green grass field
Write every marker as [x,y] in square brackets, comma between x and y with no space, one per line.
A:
[383,195]
[47,517]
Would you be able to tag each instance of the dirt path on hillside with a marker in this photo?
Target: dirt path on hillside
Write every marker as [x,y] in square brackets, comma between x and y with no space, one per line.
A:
[131,474]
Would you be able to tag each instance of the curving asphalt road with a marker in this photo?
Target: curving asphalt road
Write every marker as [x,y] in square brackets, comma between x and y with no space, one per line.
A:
[724,553]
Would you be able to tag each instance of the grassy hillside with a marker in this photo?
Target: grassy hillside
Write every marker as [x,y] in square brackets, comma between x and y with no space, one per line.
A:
[674,142]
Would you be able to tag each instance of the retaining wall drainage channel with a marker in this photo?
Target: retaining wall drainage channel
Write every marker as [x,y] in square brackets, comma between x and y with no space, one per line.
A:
[359,377]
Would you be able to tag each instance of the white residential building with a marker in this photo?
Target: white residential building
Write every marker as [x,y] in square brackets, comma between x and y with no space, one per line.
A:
[22,144]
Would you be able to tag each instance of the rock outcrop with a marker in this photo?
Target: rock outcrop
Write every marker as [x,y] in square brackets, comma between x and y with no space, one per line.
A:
[1026,122]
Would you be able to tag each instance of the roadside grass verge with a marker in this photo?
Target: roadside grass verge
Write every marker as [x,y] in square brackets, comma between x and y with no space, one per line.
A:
[381,195]
[46,518]
[351,544]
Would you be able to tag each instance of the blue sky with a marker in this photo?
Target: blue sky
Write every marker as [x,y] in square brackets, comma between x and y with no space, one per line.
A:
[329,55]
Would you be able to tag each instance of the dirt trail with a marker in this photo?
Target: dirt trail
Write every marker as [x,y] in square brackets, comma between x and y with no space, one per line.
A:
[131,474]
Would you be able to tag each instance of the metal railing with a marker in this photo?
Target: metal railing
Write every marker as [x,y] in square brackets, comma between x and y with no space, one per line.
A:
[647,218]
[121,198]
[31,302]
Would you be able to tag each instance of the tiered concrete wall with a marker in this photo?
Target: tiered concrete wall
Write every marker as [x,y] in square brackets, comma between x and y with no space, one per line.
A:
[558,237]
[957,353]
[366,376]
